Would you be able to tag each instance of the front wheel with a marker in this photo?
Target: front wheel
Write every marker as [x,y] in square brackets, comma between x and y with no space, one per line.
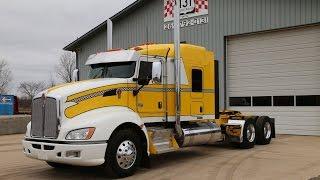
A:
[124,153]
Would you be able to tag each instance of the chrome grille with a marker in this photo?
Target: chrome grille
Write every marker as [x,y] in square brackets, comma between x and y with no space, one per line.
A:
[37,118]
[44,121]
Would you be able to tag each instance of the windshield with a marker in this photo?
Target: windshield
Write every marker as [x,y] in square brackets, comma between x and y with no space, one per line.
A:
[112,70]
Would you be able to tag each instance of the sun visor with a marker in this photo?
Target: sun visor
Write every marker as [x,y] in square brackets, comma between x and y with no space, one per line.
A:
[113,56]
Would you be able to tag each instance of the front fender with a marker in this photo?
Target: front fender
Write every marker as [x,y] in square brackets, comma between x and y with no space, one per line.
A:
[105,120]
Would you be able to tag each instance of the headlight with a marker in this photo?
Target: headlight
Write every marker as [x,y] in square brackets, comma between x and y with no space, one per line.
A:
[80,134]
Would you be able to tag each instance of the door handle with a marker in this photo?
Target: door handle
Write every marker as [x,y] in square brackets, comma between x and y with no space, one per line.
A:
[160,105]
[140,105]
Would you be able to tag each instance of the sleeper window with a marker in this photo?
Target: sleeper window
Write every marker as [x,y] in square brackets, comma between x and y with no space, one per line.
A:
[196,80]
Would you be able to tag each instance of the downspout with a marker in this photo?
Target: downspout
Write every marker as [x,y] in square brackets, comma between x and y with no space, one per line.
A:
[109,34]
[77,64]
[177,68]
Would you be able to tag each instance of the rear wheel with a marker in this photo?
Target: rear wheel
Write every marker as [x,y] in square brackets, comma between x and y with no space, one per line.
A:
[264,130]
[249,135]
[124,153]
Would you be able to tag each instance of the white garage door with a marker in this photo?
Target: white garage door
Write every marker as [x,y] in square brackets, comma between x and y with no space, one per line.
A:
[277,74]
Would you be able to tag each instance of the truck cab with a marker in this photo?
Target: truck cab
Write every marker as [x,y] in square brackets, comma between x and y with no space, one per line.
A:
[127,111]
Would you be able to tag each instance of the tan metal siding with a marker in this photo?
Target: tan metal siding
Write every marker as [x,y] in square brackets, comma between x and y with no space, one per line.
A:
[98,43]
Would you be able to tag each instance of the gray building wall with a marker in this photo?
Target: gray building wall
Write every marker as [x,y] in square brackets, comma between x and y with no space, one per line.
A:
[97,43]
[226,17]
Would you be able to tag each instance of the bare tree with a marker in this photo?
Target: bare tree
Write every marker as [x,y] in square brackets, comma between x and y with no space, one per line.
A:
[51,82]
[5,76]
[24,105]
[66,66]
[30,89]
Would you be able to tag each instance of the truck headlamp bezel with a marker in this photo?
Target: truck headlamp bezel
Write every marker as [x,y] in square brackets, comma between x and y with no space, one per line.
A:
[81,134]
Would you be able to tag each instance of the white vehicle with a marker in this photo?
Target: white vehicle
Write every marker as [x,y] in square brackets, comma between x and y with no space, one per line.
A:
[133,107]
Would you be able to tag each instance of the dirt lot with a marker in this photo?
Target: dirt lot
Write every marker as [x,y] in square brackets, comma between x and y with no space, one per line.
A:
[287,157]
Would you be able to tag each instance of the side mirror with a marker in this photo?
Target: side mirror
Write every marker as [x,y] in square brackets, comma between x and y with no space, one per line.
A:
[156,72]
[142,81]
[75,75]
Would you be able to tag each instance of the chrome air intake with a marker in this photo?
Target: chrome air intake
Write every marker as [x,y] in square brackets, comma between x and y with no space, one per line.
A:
[44,121]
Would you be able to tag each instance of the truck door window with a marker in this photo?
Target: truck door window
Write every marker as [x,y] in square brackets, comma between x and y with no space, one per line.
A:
[120,69]
[96,71]
[196,80]
[112,70]
[145,70]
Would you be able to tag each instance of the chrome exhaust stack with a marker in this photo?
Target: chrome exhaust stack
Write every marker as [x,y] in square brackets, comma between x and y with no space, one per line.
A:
[177,68]
[198,133]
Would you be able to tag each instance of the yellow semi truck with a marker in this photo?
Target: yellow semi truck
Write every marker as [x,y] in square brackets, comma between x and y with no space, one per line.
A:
[133,106]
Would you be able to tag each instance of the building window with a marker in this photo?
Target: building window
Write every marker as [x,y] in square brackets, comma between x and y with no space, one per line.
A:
[196,80]
[308,100]
[261,101]
[240,101]
[283,100]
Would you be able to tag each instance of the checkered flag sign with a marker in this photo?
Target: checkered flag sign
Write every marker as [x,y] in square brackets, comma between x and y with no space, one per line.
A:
[168,8]
[188,8]
[201,5]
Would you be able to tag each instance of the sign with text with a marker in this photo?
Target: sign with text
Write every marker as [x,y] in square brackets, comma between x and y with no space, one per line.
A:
[188,22]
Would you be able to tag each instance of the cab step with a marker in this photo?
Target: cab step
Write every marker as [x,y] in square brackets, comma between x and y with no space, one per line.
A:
[161,140]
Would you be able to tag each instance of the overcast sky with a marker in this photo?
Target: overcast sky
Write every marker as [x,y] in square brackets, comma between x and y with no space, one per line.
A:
[33,32]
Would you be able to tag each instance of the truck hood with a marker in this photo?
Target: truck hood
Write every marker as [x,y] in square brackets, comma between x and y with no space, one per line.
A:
[68,89]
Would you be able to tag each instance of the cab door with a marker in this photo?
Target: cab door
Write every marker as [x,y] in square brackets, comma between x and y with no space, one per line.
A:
[150,99]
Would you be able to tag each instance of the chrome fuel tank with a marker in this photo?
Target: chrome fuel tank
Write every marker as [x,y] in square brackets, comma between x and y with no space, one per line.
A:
[201,133]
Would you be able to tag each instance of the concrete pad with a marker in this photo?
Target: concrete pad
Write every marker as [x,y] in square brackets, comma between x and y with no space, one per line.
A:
[287,157]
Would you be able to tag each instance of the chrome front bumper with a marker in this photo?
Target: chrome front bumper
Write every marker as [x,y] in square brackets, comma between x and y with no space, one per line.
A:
[73,153]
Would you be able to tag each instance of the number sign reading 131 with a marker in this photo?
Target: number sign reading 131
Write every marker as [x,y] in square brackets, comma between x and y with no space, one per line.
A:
[188,9]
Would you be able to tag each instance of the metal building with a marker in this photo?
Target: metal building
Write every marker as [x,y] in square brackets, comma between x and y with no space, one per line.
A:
[269,51]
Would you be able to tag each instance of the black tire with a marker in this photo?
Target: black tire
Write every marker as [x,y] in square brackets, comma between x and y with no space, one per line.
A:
[263,137]
[248,143]
[111,153]
[58,165]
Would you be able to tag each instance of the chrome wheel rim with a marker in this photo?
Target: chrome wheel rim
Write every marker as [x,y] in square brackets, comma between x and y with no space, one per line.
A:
[126,154]
[251,133]
[267,130]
